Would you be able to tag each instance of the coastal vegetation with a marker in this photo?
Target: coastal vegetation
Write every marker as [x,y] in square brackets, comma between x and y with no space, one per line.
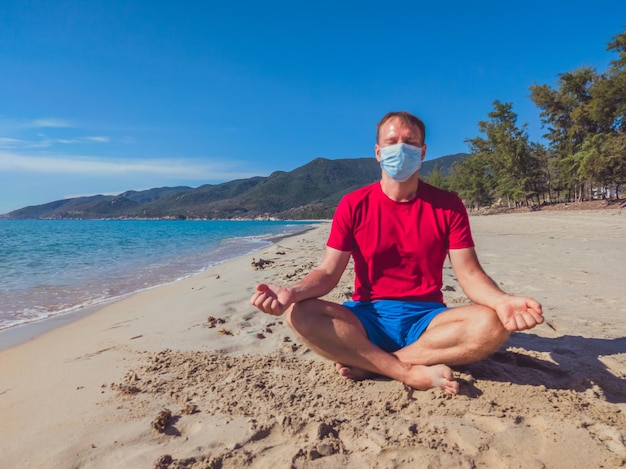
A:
[584,154]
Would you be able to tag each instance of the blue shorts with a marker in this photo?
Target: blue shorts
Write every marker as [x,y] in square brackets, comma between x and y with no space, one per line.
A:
[394,324]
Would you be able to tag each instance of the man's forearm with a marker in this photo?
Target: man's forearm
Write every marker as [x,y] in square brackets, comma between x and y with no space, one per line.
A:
[481,289]
[317,283]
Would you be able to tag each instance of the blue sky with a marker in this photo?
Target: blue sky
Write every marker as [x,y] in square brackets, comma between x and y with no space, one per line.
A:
[108,96]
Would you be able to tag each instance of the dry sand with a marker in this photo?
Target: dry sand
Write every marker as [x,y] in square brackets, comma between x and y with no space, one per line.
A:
[190,375]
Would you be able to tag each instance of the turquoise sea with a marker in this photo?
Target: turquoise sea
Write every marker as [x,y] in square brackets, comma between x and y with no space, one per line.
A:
[51,267]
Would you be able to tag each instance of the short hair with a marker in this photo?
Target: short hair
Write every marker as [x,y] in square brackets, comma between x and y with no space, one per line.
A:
[406,118]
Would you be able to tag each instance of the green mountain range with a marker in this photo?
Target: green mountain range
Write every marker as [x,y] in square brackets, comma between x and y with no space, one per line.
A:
[309,192]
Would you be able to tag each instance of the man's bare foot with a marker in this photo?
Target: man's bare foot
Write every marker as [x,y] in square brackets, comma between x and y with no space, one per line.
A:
[420,377]
[424,377]
[353,373]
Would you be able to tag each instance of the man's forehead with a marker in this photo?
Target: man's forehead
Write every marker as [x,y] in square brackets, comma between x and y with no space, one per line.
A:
[394,126]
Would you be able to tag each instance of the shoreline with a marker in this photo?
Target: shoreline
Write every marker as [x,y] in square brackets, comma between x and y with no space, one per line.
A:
[16,334]
[13,336]
[243,391]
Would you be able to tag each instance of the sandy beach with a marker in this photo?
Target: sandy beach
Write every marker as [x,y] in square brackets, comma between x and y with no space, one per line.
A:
[189,375]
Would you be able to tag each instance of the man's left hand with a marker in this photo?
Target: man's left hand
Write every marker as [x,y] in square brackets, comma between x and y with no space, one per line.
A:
[518,313]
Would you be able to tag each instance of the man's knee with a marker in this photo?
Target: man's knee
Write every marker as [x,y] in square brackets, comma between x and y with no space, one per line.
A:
[309,316]
[299,317]
[490,333]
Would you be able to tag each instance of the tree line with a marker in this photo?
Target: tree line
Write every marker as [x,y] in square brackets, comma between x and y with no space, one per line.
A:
[584,154]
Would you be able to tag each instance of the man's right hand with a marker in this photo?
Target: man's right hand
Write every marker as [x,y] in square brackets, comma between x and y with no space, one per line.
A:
[272,299]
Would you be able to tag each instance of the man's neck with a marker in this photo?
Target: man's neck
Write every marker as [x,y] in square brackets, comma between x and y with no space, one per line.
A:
[400,191]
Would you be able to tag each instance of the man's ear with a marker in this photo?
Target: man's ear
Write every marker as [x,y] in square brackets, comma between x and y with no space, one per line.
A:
[423,152]
[377,152]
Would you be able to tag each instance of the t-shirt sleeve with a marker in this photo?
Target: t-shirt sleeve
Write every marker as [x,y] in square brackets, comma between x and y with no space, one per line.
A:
[460,232]
[341,234]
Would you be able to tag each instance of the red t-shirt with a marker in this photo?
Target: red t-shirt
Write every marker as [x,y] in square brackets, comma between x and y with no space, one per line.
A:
[399,248]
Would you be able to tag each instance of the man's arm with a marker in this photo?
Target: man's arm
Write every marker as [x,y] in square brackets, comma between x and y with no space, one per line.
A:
[515,313]
[274,299]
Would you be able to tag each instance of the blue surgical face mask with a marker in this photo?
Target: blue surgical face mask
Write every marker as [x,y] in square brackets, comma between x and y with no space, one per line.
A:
[400,161]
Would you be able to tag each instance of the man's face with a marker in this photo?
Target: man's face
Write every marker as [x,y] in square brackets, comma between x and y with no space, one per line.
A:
[395,131]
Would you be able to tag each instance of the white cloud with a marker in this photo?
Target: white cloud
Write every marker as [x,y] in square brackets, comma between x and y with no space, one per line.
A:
[173,169]
[49,122]
[6,142]
[16,134]
[16,125]
[20,144]
[99,139]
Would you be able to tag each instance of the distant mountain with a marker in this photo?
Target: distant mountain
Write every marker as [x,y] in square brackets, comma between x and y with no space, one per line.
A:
[309,192]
